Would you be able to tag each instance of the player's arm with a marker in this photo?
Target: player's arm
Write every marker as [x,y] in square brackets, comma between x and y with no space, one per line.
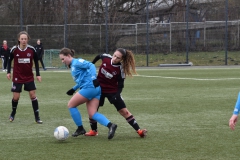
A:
[96,58]
[11,56]
[120,84]
[233,120]
[237,106]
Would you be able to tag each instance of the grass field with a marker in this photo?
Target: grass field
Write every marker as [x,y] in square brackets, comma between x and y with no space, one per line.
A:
[185,110]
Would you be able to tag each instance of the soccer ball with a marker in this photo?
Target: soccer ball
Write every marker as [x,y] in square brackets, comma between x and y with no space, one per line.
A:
[61,133]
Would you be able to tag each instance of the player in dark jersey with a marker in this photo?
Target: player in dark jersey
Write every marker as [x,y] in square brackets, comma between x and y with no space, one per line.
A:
[23,56]
[111,77]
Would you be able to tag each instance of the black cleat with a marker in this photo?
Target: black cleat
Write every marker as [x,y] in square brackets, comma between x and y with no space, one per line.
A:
[39,121]
[11,118]
[111,131]
[79,132]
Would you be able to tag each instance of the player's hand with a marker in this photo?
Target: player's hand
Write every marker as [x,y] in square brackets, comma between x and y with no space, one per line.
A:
[9,76]
[70,92]
[39,78]
[232,122]
[96,83]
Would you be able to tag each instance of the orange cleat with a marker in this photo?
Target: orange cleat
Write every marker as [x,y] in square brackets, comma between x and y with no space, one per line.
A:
[91,133]
[142,133]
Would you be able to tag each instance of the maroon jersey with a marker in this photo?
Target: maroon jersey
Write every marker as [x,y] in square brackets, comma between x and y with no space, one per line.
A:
[23,63]
[110,76]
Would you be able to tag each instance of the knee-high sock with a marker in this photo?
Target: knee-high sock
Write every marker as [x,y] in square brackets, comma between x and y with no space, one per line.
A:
[93,124]
[100,118]
[131,120]
[14,107]
[35,108]
[76,116]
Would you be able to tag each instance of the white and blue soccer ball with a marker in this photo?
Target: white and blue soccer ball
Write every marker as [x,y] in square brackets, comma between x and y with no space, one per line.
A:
[61,133]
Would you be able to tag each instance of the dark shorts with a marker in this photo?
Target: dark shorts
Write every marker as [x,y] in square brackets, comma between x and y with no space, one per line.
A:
[117,101]
[29,86]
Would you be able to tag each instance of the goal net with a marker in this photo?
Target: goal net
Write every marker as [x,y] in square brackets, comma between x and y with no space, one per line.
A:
[51,59]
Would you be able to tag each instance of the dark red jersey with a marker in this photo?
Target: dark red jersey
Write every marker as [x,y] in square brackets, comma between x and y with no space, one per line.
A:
[110,76]
[23,63]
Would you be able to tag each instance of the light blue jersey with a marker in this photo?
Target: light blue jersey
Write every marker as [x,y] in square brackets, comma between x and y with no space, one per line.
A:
[237,106]
[83,73]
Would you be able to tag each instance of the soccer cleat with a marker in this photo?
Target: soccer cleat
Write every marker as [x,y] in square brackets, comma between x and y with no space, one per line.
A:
[39,121]
[91,133]
[11,118]
[79,132]
[142,133]
[111,131]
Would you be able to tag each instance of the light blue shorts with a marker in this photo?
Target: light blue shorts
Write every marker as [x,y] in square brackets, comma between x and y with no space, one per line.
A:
[91,93]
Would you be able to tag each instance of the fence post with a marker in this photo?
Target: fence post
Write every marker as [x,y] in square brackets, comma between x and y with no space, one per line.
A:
[226,32]
[106,21]
[65,24]
[136,28]
[238,36]
[170,37]
[204,34]
[21,15]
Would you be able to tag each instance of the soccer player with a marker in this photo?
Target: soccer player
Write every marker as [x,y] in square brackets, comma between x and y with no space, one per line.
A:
[111,77]
[23,56]
[233,120]
[84,75]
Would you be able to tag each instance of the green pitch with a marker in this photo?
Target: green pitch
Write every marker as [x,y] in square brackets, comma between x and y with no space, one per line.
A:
[185,110]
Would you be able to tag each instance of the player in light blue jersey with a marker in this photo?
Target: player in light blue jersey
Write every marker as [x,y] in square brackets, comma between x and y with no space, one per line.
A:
[84,75]
[233,120]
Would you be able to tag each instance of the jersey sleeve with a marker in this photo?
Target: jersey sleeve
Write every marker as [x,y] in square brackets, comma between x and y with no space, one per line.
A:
[10,59]
[237,106]
[89,66]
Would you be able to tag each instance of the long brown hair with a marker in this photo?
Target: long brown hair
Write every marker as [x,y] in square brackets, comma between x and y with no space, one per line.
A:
[19,34]
[67,51]
[128,61]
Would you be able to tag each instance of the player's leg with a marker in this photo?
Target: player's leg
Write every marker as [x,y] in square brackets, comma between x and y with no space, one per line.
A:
[93,123]
[31,88]
[122,109]
[76,100]
[93,95]
[16,89]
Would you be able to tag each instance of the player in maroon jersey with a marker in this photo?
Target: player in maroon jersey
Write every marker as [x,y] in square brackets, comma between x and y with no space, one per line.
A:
[111,76]
[23,56]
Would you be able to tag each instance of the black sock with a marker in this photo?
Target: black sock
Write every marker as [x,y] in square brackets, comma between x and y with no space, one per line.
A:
[80,128]
[93,124]
[14,107]
[109,124]
[35,108]
[131,120]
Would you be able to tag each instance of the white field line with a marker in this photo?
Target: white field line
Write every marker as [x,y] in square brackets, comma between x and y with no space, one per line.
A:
[196,79]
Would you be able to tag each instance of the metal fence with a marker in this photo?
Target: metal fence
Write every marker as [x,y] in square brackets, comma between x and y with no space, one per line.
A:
[163,37]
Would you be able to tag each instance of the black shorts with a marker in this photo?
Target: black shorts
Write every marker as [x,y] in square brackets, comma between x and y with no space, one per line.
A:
[117,101]
[17,87]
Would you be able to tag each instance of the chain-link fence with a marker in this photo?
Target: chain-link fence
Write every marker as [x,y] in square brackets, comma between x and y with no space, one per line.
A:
[166,40]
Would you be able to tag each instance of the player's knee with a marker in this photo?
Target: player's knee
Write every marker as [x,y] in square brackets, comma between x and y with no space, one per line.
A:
[124,112]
